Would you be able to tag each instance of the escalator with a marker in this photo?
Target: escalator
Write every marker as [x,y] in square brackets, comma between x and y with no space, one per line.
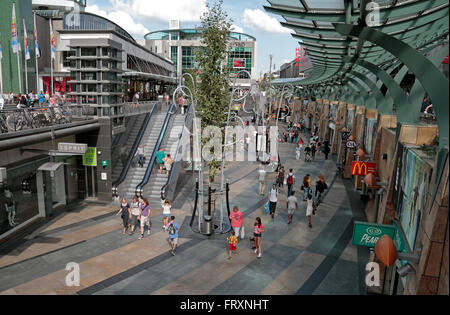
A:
[147,136]
[151,171]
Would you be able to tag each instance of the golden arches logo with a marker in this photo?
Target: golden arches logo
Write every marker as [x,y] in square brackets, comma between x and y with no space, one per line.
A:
[360,167]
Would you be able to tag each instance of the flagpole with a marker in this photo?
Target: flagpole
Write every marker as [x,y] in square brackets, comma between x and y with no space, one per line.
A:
[1,69]
[51,60]
[18,71]
[36,54]
[25,42]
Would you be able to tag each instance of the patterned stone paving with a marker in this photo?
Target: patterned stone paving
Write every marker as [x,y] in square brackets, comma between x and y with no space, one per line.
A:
[296,259]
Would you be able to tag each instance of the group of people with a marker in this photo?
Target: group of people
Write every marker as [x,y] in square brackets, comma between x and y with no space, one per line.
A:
[288,178]
[30,100]
[237,225]
[138,214]
[311,148]
[164,161]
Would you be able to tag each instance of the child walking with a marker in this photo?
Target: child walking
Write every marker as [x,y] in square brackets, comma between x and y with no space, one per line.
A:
[232,242]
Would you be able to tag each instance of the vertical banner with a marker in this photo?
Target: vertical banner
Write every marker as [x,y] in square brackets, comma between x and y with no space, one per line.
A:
[27,54]
[36,52]
[15,44]
[53,55]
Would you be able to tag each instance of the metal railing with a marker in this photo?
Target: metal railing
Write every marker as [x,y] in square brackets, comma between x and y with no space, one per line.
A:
[14,120]
[136,108]
[140,186]
[168,190]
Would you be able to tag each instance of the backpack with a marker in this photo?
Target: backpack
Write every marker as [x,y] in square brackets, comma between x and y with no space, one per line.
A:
[172,230]
[290,179]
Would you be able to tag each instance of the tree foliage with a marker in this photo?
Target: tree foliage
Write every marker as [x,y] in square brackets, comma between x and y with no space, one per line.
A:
[214,89]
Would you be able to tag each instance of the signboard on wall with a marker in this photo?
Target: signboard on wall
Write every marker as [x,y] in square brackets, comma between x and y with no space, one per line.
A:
[90,158]
[239,63]
[363,168]
[367,234]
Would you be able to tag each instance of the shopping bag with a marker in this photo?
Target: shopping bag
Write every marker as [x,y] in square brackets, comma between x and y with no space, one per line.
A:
[242,232]
[267,208]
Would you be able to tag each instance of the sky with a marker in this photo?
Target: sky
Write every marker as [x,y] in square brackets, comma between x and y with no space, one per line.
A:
[138,17]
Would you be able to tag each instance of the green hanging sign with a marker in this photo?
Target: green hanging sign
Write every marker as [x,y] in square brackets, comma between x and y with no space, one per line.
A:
[367,234]
[90,158]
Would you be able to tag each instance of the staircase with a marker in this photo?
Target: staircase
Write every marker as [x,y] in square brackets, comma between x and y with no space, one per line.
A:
[152,190]
[131,137]
[136,174]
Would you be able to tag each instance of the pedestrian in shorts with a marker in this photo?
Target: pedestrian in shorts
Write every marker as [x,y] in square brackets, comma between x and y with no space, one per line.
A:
[173,229]
[135,210]
[144,215]
[292,206]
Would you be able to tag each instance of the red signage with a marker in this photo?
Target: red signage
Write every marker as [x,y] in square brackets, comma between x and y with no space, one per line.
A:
[363,168]
[238,63]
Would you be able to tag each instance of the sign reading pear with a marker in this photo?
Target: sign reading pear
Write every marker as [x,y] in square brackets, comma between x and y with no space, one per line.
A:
[367,234]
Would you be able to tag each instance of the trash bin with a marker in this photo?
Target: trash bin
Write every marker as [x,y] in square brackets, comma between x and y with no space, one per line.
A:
[207,225]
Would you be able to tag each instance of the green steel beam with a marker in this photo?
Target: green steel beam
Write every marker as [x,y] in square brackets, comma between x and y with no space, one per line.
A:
[378,97]
[433,81]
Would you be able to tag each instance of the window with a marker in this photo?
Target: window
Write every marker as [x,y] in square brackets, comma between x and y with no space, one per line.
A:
[68,63]
[174,36]
[88,99]
[241,53]
[187,58]
[110,88]
[89,88]
[88,75]
[88,64]
[88,52]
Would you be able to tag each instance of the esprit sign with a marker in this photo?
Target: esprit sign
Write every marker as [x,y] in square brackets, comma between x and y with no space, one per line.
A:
[363,168]
[367,234]
[75,148]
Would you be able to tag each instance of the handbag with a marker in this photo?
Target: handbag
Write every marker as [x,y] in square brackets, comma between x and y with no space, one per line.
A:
[242,232]
[303,187]
[267,208]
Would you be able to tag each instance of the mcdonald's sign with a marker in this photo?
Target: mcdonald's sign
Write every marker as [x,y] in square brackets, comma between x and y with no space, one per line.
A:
[363,168]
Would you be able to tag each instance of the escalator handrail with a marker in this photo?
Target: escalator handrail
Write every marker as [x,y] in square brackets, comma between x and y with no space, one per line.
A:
[124,173]
[151,163]
[169,179]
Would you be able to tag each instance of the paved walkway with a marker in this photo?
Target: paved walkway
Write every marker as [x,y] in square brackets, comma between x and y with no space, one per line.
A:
[296,259]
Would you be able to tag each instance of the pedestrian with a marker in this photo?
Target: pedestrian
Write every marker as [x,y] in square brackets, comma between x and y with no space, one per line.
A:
[290,181]
[306,186]
[308,153]
[160,155]
[257,234]
[126,214]
[173,228]
[298,150]
[123,155]
[310,209]
[280,177]
[237,222]
[296,135]
[41,98]
[313,150]
[232,242]
[144,215]
[167,206]
[262,179]
[273,198]
[181,104]
[326,149]
[292,206]
[135,206]
[168,164]
[140,155]
[321,186]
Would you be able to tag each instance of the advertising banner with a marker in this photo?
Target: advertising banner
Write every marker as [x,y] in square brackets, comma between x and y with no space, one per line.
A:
[90,158]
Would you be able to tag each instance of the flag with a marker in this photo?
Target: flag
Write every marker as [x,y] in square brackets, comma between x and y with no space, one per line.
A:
[14,38]
[36,45]
[25,39]
[1,52]
[52,41]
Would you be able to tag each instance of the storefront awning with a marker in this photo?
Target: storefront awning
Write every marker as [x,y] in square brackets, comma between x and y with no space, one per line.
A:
[147,76]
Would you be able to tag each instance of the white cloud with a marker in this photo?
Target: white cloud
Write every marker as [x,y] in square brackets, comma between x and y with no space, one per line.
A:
[183,10]
[121,18]
[237,29]
[258,19]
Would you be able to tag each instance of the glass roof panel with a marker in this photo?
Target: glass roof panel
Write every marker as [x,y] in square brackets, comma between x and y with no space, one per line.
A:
[325,4]
[294,20]
[289,3]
